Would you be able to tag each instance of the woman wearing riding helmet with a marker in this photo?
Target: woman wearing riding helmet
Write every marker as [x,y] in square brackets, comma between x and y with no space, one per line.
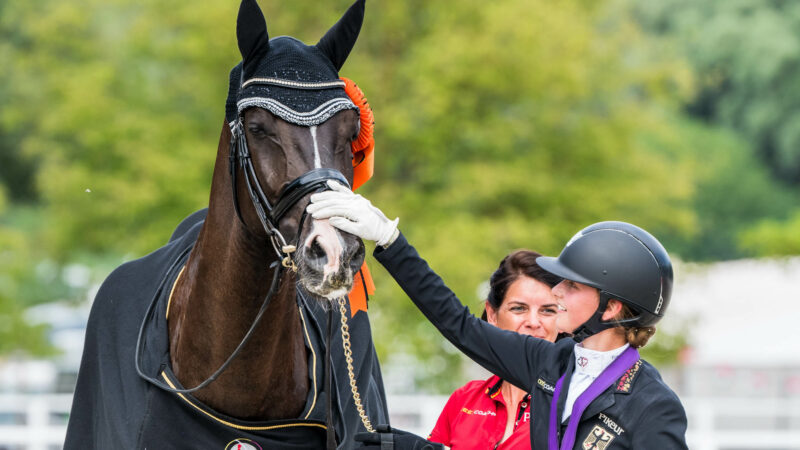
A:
[493,413]
[589,391]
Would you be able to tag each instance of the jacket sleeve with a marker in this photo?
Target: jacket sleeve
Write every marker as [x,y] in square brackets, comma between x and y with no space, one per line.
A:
[663,426]
[509,355]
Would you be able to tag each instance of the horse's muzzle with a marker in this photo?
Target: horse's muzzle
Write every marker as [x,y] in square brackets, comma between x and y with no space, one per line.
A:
[328,259]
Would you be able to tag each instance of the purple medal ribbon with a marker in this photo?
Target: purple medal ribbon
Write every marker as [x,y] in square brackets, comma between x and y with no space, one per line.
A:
[611,374]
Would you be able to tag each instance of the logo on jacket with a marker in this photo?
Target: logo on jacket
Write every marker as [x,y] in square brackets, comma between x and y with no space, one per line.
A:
[242,444]
[547,387]
[598,439]
[611,424]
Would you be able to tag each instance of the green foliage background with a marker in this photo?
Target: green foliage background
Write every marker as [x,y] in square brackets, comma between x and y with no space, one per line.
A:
[500,125]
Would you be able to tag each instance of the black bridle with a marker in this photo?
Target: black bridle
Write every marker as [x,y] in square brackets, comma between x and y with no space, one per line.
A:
[312,181]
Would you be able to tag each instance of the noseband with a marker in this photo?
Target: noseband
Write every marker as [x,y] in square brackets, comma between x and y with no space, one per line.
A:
[312,181]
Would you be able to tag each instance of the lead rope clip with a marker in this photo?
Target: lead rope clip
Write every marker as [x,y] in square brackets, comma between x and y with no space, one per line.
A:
[287,261]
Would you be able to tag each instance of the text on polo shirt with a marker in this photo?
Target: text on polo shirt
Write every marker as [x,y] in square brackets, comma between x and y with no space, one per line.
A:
[478,412]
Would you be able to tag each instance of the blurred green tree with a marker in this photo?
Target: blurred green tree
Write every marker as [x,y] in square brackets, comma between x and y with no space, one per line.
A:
[17,336]
[747,59]
[734,191]
[16,170]
[773,237]
[747,56]
[124,104]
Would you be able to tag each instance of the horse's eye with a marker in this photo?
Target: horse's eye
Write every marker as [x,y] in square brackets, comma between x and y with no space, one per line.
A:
[257,130]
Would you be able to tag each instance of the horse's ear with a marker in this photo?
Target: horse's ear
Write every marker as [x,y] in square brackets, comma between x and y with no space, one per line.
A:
[251,32]
[340,39]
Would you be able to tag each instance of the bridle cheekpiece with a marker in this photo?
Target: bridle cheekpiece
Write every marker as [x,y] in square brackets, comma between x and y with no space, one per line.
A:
[268,214]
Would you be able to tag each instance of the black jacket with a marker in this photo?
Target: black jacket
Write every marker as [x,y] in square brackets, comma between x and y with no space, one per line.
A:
[639,411]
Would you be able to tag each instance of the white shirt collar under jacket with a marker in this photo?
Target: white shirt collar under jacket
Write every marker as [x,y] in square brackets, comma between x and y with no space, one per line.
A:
[589,364]
[592,362]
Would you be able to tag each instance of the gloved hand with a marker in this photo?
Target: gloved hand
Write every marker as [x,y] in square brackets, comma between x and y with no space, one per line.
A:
[386,438]
[353,214]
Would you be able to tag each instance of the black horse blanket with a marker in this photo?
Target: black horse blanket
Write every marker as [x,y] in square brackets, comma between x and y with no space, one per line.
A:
[115,408]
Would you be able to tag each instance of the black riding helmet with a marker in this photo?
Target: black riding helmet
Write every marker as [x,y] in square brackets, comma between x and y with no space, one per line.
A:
[623,262]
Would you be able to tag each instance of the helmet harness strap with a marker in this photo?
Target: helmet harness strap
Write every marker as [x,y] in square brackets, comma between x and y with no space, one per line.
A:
[596,324]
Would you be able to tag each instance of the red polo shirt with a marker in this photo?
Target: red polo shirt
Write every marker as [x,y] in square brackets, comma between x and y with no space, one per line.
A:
[475,418]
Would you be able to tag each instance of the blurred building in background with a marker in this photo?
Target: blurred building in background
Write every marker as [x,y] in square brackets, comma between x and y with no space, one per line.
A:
[740,378]
[67,324]
[743,319]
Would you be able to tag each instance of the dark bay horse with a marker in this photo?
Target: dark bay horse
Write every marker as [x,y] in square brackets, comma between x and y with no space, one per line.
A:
[217,338]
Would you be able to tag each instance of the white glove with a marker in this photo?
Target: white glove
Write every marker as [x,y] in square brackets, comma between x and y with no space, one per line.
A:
[353,214]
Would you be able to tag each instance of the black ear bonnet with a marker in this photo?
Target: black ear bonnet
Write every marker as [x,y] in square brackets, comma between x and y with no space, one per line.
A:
[298,83]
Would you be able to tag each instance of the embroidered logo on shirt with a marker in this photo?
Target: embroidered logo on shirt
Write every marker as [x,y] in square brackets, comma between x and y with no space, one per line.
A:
[598,439]
[583,361]
[477,412]
[242,444]
[626,380]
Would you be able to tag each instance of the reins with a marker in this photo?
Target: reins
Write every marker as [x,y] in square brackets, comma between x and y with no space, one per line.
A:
[330,433]
[269,216]
[272,289]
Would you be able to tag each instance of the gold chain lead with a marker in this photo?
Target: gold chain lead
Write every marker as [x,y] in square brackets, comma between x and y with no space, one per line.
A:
[348,356]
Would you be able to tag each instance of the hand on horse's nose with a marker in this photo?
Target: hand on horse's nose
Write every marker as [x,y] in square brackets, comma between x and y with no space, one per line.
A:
[353,214]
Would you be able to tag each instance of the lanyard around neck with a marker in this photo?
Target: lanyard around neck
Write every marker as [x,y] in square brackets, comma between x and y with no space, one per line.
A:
[611,373]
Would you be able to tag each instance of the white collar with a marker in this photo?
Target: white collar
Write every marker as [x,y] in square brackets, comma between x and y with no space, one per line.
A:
[593,362]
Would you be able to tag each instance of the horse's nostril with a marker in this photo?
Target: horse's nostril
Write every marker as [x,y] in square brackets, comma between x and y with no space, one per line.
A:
[358,255]
[316,252]
[355,257]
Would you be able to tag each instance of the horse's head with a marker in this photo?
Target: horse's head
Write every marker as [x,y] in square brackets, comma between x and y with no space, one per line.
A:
[291,117]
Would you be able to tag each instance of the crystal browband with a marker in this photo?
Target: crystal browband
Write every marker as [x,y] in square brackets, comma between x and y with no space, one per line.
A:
[314,117]
[295,84]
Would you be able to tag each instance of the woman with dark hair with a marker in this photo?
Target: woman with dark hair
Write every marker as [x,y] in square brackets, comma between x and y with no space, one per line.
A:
[493,413]
[589,391]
